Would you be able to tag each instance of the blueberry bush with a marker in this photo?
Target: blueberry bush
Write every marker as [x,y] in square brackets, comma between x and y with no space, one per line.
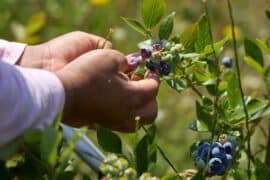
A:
[226,115]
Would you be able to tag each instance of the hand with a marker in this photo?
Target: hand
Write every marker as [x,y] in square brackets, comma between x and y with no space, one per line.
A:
[55,54]
[97,91]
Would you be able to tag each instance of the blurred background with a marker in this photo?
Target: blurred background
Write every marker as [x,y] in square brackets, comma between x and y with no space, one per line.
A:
[36,21]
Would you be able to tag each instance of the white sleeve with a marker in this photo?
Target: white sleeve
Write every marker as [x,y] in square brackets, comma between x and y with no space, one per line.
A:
[29,99]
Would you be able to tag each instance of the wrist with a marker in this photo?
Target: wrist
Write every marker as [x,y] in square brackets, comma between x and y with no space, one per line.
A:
[32,57]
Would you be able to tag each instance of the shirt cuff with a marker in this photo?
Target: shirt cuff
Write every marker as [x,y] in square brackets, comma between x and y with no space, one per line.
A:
[10,52]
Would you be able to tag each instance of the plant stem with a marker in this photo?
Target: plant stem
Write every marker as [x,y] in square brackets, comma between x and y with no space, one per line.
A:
[240,85]
[215,115]
[165,156]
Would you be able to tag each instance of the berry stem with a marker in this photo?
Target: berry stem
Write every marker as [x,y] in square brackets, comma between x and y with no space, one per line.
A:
[240,86]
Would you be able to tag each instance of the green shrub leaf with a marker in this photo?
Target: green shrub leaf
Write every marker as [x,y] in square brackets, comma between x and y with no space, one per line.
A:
[254,52]
[108,140]
[166,27]
[203,36]
[152,12]
[137,26]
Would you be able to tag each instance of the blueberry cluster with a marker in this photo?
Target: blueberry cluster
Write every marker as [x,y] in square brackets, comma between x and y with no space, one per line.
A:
[156,57]
[215,157]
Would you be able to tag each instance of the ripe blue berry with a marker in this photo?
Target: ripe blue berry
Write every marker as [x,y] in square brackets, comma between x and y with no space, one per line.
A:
[146,53]
[216,166]
[199,162]
[227,62]
[228,147]
[152,65]
[215,150]
[165,69]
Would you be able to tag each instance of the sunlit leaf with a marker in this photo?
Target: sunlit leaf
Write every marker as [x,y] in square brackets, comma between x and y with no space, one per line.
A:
[166,27]
[189,37]
[253,51]
[152,12]
[203,36]
[254,64]
[137,26]
[234,94]
[263,45]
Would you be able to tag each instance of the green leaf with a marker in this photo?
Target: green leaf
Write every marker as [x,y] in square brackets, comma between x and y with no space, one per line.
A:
[234,94]
[152,12]
[151,132]
[137,26]
[198,126]
[254,64]
[189,37]
[218,46]
[50,142]
[152,153]
[263,45]
[267,79]
[253,51]
[166,27]
[254,107]
[68,175]
[262,172]
[141,155]
[267,13]
[108,140]
[203,115]
[177,84]
[203,36]
[35,23]
[8,150]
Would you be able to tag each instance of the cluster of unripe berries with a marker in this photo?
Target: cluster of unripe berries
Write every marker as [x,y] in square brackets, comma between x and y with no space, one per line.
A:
[156,57]
[115,167]
[215,158]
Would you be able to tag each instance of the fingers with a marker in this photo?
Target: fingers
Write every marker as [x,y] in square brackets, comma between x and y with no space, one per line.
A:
[133,60]
[146,89]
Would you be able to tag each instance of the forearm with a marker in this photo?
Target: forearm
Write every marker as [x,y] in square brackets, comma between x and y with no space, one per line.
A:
[29,99]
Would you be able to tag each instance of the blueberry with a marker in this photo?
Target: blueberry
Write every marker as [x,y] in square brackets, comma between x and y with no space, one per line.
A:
[216,166]
[146,53]
[199,162]
[194,154]
[152,65]
[165,69]
[221,156]
[203,146]
[204,153]
[228,147]
[157,47]
[227,62]
[216,144]
[215,150]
